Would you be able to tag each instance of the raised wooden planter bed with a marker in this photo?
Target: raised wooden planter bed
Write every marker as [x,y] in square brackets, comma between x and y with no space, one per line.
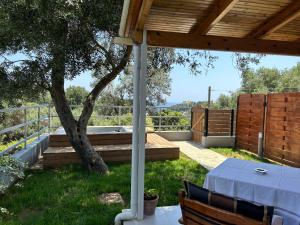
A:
[157,148]
[97,136]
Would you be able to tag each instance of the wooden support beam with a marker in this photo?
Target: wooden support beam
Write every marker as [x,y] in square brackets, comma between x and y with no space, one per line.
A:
[219,10]
[133,11]
[143,14]
[140,24]
[123,41]
[277,21]
[207,42]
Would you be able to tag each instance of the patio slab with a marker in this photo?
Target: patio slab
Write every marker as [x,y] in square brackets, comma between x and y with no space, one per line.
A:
[166,215]
[207,158]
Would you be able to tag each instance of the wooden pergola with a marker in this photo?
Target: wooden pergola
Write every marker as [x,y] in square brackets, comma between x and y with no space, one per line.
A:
[254,26]
[259,26]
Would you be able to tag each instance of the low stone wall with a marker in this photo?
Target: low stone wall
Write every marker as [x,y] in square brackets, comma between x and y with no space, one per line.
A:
[218,141]
[31,153]
[175,135]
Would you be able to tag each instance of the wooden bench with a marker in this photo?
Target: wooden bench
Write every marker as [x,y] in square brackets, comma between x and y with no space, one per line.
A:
[197,213]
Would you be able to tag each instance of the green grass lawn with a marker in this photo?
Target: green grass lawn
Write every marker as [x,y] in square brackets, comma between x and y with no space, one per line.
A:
[239,154]
[70,195]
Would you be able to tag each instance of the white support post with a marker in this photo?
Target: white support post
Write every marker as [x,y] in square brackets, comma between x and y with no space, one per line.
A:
[142,127]
[135,133]
[138,136]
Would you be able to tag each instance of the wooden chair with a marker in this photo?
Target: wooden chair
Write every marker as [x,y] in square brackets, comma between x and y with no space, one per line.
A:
[197,213]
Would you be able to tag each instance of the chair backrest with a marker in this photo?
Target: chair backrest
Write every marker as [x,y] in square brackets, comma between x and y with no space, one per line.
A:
[197,213]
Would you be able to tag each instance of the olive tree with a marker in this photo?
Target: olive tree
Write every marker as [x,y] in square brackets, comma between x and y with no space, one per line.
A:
[45,42]
[59,40]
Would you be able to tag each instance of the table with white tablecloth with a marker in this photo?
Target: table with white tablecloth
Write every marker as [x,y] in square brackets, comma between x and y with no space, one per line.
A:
[279,187]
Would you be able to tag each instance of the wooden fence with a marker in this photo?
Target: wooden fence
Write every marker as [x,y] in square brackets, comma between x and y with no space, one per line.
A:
[250,121]
[277,116]
[282,138]
[212,122]
[219,122]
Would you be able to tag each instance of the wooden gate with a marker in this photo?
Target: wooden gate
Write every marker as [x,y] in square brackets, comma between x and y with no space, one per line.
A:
[282,138]
[220,122]
[249,121]
[197,123]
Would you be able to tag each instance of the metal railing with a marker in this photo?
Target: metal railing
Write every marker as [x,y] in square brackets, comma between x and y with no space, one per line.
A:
[27,122]
[185,114]
[104,113]
[45,120]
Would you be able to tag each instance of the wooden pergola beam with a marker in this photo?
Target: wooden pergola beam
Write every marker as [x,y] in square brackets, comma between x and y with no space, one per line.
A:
[143,14]
[123,41]
[131,16]
[208,42]
[140,24]
[219,10]
[277,21]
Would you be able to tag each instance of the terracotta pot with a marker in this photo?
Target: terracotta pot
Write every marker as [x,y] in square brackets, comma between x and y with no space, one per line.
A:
[149,206]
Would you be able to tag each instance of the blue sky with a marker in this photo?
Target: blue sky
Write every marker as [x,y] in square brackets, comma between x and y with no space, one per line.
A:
[222,78]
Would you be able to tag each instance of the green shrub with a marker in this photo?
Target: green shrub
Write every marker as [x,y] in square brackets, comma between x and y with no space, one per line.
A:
[12,168]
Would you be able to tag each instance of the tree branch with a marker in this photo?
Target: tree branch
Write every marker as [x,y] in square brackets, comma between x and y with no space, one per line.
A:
[109,57]
[89,103]
[15,61]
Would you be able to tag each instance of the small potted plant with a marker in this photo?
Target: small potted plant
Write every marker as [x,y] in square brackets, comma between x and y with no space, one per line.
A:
[150,201]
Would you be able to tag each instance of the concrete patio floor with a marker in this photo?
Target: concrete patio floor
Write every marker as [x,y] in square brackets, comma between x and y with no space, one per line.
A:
[166,215]
[169,215]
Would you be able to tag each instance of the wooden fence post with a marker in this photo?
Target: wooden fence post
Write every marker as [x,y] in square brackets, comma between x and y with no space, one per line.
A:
[232,122]
[206,122]
[264,124]
[236,120]
[191,119]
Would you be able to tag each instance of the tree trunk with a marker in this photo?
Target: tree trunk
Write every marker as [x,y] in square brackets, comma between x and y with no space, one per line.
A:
[76,130]
[76,133]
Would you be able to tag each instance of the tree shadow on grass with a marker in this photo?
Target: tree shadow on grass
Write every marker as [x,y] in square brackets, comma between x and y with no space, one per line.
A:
[69,195]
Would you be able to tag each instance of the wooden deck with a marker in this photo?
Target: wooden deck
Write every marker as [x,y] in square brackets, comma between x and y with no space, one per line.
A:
[157,148]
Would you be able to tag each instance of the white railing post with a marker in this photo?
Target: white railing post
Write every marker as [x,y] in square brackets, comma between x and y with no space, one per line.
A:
[49,118]
[26,128]
[119,115]
[159,122]
[38,122]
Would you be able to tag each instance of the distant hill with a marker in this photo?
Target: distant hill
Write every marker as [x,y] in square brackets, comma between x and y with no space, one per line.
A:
[169,104]
[188,104]
[182,106]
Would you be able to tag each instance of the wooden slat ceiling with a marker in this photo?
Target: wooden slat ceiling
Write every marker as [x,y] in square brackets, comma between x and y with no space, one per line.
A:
[269,20]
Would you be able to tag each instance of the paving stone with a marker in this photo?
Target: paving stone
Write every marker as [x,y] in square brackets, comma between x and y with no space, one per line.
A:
[206,157]
[111,198]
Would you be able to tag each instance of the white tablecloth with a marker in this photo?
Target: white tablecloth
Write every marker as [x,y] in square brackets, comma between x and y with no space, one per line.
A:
[279,187]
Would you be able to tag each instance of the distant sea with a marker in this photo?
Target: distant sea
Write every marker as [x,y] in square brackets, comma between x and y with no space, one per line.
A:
[169,104]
